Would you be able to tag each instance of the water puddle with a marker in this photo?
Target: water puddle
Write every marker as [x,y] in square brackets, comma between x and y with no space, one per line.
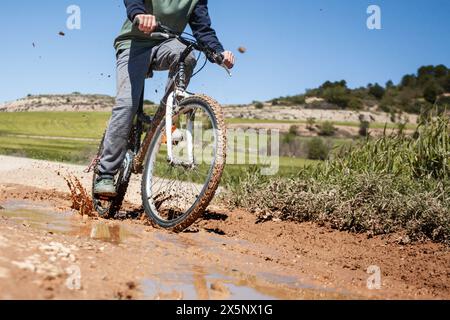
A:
[187,278]
[218,284]
[43,217]
[199,284]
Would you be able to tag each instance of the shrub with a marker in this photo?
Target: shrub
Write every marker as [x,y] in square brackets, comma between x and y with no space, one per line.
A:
[446,84]
[310,123]
[317,149]
[293,130]
[431,93]
[377,91]
[355,104]
[327,129]
[388,185]
[259,105]
[337,95]
[364,127]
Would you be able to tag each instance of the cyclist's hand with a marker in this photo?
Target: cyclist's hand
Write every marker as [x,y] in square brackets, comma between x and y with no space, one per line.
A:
[147,23]
[229,59]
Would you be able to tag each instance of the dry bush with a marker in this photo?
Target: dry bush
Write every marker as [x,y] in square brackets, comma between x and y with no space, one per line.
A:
[393,184]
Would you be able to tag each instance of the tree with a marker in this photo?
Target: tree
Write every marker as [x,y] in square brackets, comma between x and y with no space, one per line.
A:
[431,92]
[409,81]
[337,95]
[440,71]
[389,84]
[425,71]
[377,91]
[447,84]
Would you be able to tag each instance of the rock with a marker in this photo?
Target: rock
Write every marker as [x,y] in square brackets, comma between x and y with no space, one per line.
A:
[242,49]
[219,287]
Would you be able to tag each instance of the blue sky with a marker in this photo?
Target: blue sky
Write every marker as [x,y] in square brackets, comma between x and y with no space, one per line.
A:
[291,45]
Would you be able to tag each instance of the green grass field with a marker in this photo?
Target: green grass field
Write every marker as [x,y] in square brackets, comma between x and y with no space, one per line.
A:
[55,124]
[48,149]
[92,124]
[47,136]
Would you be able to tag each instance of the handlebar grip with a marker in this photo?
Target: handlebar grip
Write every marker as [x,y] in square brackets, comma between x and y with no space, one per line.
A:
[219,59]
[159,36]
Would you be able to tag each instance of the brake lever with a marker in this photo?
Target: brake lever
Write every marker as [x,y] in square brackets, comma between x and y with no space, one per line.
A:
[226,69]
[219,61]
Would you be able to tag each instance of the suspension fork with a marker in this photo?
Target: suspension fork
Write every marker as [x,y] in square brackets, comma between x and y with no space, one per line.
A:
[172,104]
[190,137]
[176,90]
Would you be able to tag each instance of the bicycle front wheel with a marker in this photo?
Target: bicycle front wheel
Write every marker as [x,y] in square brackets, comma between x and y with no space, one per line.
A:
[176,193]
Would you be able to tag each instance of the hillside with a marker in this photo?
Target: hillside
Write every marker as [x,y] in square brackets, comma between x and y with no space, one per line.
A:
[312,109]
[69,102]
[416,93]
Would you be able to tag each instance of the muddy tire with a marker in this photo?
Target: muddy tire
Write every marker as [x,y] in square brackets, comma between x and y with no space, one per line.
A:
[214,176]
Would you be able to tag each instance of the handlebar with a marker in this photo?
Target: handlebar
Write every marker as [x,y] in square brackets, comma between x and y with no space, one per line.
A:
[163,32]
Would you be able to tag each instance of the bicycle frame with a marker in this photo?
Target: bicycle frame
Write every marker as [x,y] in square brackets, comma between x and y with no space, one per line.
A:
[175,93]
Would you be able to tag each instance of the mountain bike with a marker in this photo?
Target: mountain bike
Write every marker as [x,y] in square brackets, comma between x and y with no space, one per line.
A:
[183,153]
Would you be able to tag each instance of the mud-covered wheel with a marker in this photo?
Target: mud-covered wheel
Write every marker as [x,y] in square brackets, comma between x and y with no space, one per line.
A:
[176,194]
[109,207]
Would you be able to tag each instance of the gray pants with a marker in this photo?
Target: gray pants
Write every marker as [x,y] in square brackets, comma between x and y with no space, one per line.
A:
[133,66]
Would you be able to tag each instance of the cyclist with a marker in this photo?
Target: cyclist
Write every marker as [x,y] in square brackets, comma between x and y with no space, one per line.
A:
[137,54]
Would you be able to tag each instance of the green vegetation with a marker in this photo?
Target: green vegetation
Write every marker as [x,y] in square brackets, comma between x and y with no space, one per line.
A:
[289,101]
[394,184]
[258,105]
[416,93]
[89,125]
[364,127]
[327,129]
[72,151]
[318,150]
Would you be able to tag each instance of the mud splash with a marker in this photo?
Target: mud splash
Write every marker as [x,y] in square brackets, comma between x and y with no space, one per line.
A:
[81,201]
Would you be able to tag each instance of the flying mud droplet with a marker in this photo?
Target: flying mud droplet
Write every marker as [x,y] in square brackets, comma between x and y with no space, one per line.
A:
[81,201]
[242,50]
[62,34]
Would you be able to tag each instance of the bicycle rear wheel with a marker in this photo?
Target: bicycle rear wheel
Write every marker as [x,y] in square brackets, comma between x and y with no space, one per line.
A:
[176,195]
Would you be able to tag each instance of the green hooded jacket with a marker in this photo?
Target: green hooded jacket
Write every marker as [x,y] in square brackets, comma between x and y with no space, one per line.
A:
[172,13]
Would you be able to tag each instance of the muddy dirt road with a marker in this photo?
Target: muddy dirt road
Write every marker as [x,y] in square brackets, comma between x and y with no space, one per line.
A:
[48,251]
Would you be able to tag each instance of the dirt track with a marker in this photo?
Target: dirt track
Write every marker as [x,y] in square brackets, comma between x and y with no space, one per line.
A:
[44,246]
